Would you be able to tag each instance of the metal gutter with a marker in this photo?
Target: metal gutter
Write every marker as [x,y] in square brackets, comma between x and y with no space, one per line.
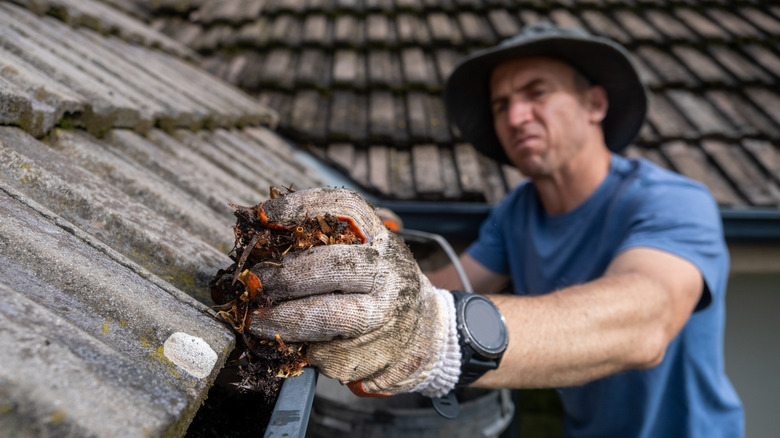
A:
[751,225]
[455,221]
[459,222]
[290,416]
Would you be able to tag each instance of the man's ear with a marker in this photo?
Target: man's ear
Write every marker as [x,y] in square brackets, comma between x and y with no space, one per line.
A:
[597,103]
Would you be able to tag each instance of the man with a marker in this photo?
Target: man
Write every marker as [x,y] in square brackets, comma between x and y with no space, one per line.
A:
[619,267]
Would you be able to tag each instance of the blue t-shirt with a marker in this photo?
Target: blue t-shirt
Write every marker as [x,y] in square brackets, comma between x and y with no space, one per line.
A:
[639,204]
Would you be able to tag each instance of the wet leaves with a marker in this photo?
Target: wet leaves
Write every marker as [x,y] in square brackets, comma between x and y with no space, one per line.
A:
[238,293]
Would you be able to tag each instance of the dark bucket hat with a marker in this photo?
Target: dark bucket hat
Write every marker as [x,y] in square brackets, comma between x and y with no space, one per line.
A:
[600,60]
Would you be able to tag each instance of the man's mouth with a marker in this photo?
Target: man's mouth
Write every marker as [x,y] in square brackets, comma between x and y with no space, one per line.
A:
[526,141]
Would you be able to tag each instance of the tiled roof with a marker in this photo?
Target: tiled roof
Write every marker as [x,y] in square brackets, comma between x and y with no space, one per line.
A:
[360,81]
[118,159]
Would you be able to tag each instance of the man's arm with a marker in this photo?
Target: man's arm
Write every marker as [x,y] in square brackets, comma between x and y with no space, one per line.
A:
[482,279]
[624,320]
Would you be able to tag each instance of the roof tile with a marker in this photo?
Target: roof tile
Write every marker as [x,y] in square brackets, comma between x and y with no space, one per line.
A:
[347,117]
[637,27]
[749,179]
[561,17]
[449,175]
[349,31]
[692,162]
[325,6]
[763,20]
[504,25]
[765,58]
[104,19]
[400,134]
[314,69]
[379,169]
[700,24]
[285,30]
[316,30]
[702,65]
[672,28]
[412,31]
[739,66]
[343,154]
[21,84]
[446,60]
[467,161]
[603,25]
[416,113]
[349,68]
[235,11]
[666,120]
[767,100]
[384,70]
[437,120]
[343,5]
[673,73]
[767,154]
[647,74]
[284,6]
[418,69]
[305,109]
[379,30]
[427,168]
[476,30]
[735,25]
[443,30]
[381,115]
[255,34]
[491,173]
[742,115]
[408,5]
[700,113]
[402,178]
[279,63]
[359,170]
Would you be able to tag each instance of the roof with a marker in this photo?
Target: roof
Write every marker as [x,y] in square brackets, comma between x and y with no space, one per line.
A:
[118,158]
[360,82]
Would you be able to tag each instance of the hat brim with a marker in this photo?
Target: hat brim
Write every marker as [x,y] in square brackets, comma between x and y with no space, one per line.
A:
[602,61]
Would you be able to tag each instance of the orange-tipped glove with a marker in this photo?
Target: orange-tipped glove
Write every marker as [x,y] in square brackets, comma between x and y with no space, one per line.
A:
[370,316]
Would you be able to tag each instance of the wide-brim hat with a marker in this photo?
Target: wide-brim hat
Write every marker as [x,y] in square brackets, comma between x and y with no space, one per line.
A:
[602,61]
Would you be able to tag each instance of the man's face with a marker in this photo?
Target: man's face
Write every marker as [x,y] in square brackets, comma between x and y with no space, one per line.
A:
[540,116]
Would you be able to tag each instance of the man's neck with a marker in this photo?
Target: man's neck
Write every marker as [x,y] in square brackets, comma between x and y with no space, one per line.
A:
[572,185]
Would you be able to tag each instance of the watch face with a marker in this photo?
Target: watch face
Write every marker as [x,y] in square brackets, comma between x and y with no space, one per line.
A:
[485,326]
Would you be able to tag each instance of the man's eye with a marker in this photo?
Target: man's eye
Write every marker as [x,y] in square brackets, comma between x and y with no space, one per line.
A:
[537,93]
[499,108]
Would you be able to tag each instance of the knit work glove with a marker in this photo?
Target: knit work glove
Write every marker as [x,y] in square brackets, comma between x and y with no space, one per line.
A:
[370,316]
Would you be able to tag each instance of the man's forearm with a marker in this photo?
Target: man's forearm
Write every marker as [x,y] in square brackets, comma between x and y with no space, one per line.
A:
[582,333]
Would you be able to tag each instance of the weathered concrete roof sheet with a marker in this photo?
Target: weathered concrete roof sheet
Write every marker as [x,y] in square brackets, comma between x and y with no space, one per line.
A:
[118,159]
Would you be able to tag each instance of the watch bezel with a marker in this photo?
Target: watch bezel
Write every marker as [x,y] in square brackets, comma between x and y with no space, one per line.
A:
[474,343]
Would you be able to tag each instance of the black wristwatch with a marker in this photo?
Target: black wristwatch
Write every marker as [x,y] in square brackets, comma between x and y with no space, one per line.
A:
[482,333]
[483,337]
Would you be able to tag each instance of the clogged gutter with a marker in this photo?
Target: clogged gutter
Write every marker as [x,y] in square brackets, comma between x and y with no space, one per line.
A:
[238,293]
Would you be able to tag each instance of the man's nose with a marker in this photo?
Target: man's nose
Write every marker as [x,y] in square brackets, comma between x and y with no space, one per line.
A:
[520,112]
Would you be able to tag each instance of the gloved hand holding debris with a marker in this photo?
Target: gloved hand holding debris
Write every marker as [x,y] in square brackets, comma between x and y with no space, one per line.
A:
[369,315]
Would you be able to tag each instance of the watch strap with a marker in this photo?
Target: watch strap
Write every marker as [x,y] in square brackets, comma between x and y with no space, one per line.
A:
[473,365]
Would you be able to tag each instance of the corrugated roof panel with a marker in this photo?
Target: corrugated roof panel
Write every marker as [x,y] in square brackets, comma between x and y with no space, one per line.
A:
[88,332]
[105,229]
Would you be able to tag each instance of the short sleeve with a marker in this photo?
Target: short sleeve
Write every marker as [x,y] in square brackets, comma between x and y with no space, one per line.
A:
[490,247]
[682,218]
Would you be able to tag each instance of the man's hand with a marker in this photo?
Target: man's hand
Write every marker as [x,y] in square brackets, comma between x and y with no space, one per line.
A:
[371,317]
